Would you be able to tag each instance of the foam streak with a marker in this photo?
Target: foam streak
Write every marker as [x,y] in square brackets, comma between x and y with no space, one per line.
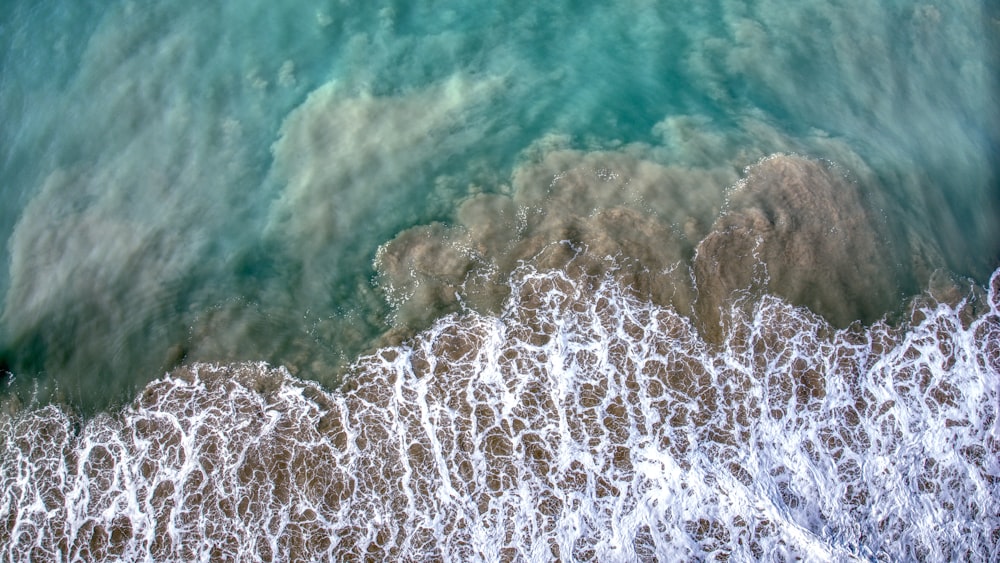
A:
[578,424]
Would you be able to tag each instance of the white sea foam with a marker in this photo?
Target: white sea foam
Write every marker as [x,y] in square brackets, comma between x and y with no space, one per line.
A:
[580,423]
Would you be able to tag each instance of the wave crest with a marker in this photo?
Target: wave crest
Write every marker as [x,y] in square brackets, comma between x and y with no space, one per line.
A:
[579,423]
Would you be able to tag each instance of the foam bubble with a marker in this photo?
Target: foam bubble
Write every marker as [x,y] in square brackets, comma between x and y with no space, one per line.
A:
[579,423]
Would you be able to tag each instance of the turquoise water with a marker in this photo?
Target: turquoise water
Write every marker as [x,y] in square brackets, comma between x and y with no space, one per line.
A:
[301,183]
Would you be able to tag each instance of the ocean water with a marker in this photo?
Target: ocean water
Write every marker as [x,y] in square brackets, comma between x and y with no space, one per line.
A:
[500,281]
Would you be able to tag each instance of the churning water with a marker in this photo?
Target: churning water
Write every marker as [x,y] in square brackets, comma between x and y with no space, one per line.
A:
[499,281]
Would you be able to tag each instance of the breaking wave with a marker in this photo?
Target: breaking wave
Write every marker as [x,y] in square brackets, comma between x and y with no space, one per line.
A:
[578,423]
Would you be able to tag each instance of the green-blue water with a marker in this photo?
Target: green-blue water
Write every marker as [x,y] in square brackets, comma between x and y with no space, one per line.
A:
[183,181]
[725,276]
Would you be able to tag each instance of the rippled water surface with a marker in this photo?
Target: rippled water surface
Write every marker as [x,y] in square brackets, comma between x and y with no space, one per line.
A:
[478,280]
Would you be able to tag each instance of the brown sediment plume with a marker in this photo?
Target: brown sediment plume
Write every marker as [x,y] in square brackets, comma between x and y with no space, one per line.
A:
[803,230]
[586,213]
[795,227]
